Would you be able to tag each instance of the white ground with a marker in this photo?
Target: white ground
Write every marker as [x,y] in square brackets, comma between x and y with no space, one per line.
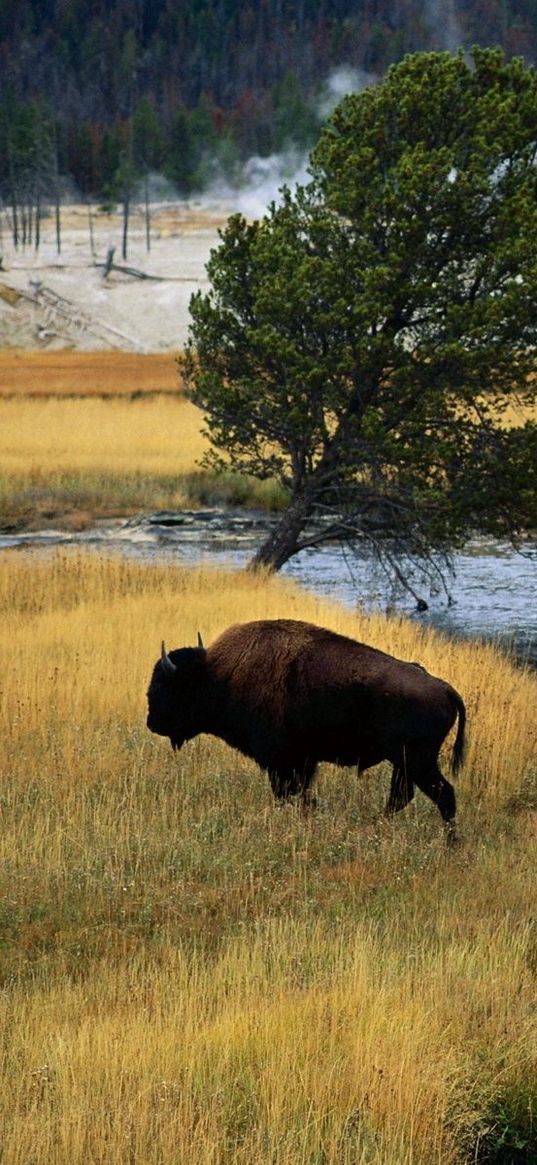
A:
[119,311]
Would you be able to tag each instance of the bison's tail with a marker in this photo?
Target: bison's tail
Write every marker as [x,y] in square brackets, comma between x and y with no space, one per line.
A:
[459,748]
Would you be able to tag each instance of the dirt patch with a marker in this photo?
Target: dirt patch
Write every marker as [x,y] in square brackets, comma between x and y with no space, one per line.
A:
[74,299]
[95,373]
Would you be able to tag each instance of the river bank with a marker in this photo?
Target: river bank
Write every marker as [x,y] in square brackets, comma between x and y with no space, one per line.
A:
[493,591]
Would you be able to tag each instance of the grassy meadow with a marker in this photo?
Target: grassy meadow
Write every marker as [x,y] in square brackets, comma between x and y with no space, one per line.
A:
[90,435]
[189,973]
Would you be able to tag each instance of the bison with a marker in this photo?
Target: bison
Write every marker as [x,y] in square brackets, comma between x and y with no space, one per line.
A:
[290,694]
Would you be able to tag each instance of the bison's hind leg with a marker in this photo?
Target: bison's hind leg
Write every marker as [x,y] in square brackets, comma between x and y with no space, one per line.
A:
[419,766]
[430,780]
[401,790]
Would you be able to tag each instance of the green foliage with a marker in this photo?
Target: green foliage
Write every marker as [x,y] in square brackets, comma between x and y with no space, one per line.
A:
[259,66]
[360,342]
[147,144]
[294,119]
[510,1132]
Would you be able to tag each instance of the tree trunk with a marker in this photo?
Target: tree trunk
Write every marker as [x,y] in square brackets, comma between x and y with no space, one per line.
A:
[37,221]
[109,261]
[147,214]
[282,543]
[91,239]
[58,221]
[14,195]
[15,219]
[126,210]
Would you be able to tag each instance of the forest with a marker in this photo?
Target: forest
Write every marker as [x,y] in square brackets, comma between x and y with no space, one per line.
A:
[96,96]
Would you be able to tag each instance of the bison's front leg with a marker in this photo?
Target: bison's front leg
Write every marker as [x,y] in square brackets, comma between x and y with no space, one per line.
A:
[288,781]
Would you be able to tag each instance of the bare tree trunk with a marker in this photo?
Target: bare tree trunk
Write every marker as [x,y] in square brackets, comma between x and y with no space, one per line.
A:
[126,211]
[14,196]
[58,223]
[147,215]
[57,195]
[109,261]
[15,218]
[282,543]
[37,212]
[90,227]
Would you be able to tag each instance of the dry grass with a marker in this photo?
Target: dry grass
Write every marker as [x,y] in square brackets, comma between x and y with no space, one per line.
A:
[159,436]
[75,443]
[68,461]
[71,373]
[191,974]
[517,413]
[90,435]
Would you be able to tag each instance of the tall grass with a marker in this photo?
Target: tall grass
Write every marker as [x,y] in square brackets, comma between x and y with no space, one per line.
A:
[153,435]
[76,373]
[91,457]
[104,452]
[190,974]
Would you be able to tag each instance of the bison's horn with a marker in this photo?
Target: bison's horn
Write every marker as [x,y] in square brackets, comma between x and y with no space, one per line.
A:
[200,640]
[166,662]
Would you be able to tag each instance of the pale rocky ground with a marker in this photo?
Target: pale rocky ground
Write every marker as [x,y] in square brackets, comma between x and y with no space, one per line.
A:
[75,305]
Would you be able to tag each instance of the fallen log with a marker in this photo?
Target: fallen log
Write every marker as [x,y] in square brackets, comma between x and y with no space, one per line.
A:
[109,266]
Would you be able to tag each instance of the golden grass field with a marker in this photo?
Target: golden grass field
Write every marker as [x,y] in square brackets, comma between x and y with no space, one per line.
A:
[67,372]
[191,974]
[90,435]
[75,449]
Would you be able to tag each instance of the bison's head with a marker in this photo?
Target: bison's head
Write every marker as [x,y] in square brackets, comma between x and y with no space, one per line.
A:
[175,694]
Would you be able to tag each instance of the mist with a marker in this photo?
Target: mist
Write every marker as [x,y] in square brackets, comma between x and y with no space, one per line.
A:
[259,181]
[342,81]
[443,21]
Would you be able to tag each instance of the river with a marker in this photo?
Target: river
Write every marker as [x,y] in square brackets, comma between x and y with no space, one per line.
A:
[494,591]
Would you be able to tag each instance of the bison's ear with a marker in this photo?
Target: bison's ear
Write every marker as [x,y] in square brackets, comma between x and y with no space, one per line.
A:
[200,640]
[167,663]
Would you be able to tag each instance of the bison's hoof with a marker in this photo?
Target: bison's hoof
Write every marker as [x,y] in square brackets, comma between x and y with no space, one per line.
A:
[452,837]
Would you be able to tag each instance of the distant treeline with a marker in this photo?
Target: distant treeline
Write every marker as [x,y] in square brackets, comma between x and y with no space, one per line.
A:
[103,92]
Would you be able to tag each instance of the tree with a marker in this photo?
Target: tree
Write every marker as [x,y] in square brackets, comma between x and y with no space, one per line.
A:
[361,342]
[296,120]
[147,150]
[29,165]
[124,183]
[180,160]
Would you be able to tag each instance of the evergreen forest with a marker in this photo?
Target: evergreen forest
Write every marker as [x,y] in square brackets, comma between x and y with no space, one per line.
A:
[95,96]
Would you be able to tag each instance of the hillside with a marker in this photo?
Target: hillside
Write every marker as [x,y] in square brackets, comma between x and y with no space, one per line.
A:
[98,94]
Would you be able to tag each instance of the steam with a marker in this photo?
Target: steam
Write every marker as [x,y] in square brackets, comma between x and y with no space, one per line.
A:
[255,185]
[259,181]
[263,179]
[159,189]
[342,81]
[444,24]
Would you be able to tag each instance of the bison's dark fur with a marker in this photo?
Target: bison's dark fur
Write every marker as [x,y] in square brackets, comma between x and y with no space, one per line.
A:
[290,695]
